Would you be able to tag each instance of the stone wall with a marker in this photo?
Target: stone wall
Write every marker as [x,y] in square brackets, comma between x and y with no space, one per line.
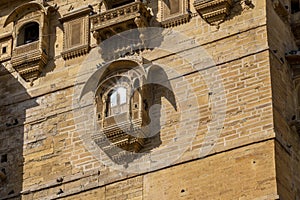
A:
[281,41]
[241,164]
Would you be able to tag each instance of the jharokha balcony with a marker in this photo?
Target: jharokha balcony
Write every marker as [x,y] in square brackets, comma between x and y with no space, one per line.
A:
[28,60]
[119,19]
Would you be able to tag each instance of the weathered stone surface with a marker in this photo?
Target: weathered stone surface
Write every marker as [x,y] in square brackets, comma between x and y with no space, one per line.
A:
[252,154]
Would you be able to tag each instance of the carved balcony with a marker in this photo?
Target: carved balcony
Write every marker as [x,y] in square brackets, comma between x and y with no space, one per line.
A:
[123,131]
[116,20]
[30,45]
[28,60]
[213,12]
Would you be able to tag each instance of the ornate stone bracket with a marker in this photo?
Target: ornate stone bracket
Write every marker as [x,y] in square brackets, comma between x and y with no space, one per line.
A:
[213,12]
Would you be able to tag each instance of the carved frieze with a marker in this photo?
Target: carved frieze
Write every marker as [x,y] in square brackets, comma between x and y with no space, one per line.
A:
[76,33]
[213,12]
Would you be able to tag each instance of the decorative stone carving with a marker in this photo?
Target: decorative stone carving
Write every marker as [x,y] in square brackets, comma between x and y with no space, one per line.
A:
[175,21]
[213,12]
[174,13]
[5,47]
[30,39]
[119,19]
[76,33]
[121,115]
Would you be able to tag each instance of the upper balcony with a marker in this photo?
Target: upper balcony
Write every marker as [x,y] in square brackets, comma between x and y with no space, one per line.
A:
[30,44]
[119,19]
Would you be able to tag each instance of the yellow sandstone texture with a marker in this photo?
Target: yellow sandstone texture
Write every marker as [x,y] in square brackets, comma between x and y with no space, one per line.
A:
[130,99]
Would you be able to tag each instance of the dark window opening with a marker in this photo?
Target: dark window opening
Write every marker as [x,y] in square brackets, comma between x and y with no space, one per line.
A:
[295,6]
[28,33]
[121,3]
[4,50]
[4,158]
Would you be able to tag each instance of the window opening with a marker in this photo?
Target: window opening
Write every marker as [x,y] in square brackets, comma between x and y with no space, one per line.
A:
[4,50]
[29,33]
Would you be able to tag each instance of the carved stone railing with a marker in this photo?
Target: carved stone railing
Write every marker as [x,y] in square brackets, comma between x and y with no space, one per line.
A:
[111,22]
[213,12]
[121,137]
[28,60]
[119,131]
[26,48]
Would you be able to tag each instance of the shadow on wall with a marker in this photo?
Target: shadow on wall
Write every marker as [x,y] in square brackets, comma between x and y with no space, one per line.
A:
[54,25]
[160,87]
[237,9]
[13,105]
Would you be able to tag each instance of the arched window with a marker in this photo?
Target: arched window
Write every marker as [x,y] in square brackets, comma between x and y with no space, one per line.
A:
[117,102]
[28,33]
